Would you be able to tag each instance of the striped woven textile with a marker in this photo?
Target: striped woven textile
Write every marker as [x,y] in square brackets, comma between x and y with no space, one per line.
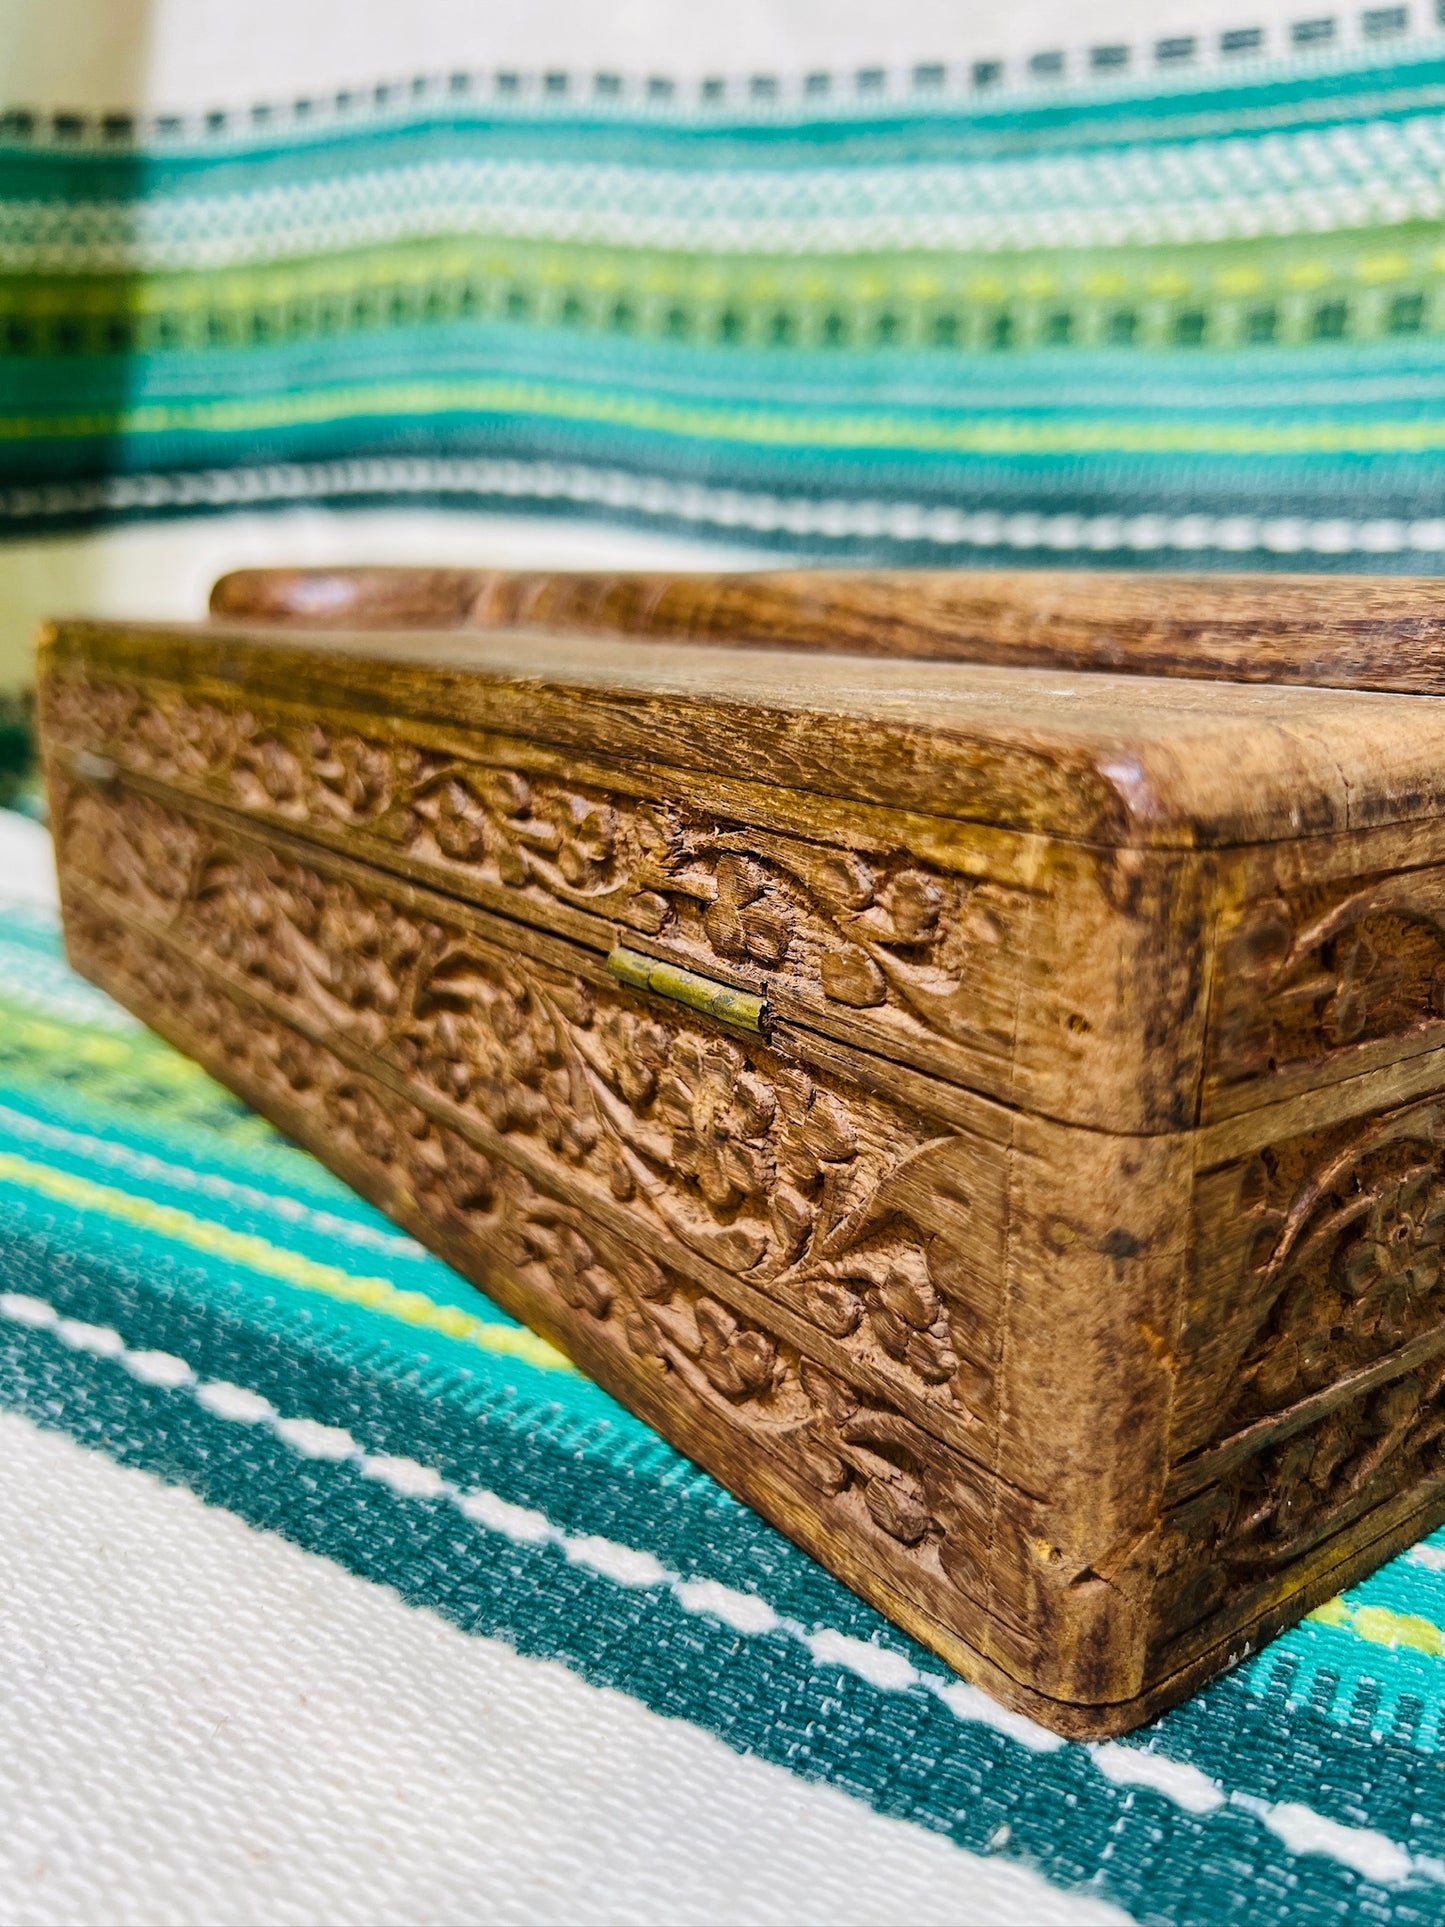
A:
[1155,300]
[189,1294]
[329,1593]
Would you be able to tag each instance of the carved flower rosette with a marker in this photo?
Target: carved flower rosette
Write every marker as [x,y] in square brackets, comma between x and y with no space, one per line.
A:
[1346,1268]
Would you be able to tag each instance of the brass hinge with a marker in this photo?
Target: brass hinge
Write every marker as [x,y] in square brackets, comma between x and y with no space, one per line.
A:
[729,1006]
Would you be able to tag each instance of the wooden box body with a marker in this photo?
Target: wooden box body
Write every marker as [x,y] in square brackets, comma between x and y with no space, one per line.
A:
[992,1117]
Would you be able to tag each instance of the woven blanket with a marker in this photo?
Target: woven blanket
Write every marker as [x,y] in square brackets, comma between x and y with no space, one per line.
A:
[1142,295]
[190,1295]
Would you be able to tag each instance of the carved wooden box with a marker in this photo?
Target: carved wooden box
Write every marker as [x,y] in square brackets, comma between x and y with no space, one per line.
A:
[991,1116]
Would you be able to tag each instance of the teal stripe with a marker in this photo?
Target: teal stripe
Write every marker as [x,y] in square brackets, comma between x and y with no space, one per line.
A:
[178,1173]
[1273,384]
[403,1303]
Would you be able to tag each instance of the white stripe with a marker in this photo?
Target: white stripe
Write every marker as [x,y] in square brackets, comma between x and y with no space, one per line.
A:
[889,1671]
[738,509]
[1303,1830]
[1185,1785]
[234,1402]
[1432,1558]
[971,1703]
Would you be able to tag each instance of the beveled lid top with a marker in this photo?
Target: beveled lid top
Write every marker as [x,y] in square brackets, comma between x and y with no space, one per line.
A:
[1334,632]
[1105,758]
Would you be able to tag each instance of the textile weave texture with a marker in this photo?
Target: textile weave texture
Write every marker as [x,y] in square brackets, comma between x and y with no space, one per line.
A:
[1130,304]
[190,1294]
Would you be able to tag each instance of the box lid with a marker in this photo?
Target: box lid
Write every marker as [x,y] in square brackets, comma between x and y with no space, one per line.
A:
[1107,758]
[1341,632]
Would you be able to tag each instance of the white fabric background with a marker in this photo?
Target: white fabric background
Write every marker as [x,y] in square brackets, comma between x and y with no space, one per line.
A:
[27,863]
[204,1723]
[200,53]
[164,570]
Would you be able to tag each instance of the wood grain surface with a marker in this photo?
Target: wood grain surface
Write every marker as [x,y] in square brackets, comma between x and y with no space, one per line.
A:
[1127,760]
[1337,632]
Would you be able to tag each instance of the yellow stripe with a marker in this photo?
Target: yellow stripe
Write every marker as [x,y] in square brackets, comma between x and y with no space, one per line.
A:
[376,1294]
[1382,1627]
[98,1046]
[998,435]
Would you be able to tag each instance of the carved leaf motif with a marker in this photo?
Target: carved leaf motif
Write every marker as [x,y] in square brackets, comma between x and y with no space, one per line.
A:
[898,1503]
[892,1287]
[850,976]
[352,777]
[745,919]
[913,903]
[587,840]
[1349,1268]
[296,1063]
[506,792]
[573,1266]
[648,911]
[740,1362]
[460,824]
[830,912]
[846,880]
[836,1308]
[791,1217]
[908,1293]
[1347,1011]
[1298,1491]
[278,770]
[1299,981]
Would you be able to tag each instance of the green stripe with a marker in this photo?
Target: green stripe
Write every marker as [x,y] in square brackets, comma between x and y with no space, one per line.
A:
[244,1248]
[1003,436]
[809,298]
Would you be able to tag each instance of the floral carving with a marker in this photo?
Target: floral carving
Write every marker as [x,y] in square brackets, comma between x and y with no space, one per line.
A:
[1343,1262]
[549,835]
[852,931]
[1302,978]
[1294,1493]
[926,1510]
[1298,1491]
[847,1448]
[758,1166]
